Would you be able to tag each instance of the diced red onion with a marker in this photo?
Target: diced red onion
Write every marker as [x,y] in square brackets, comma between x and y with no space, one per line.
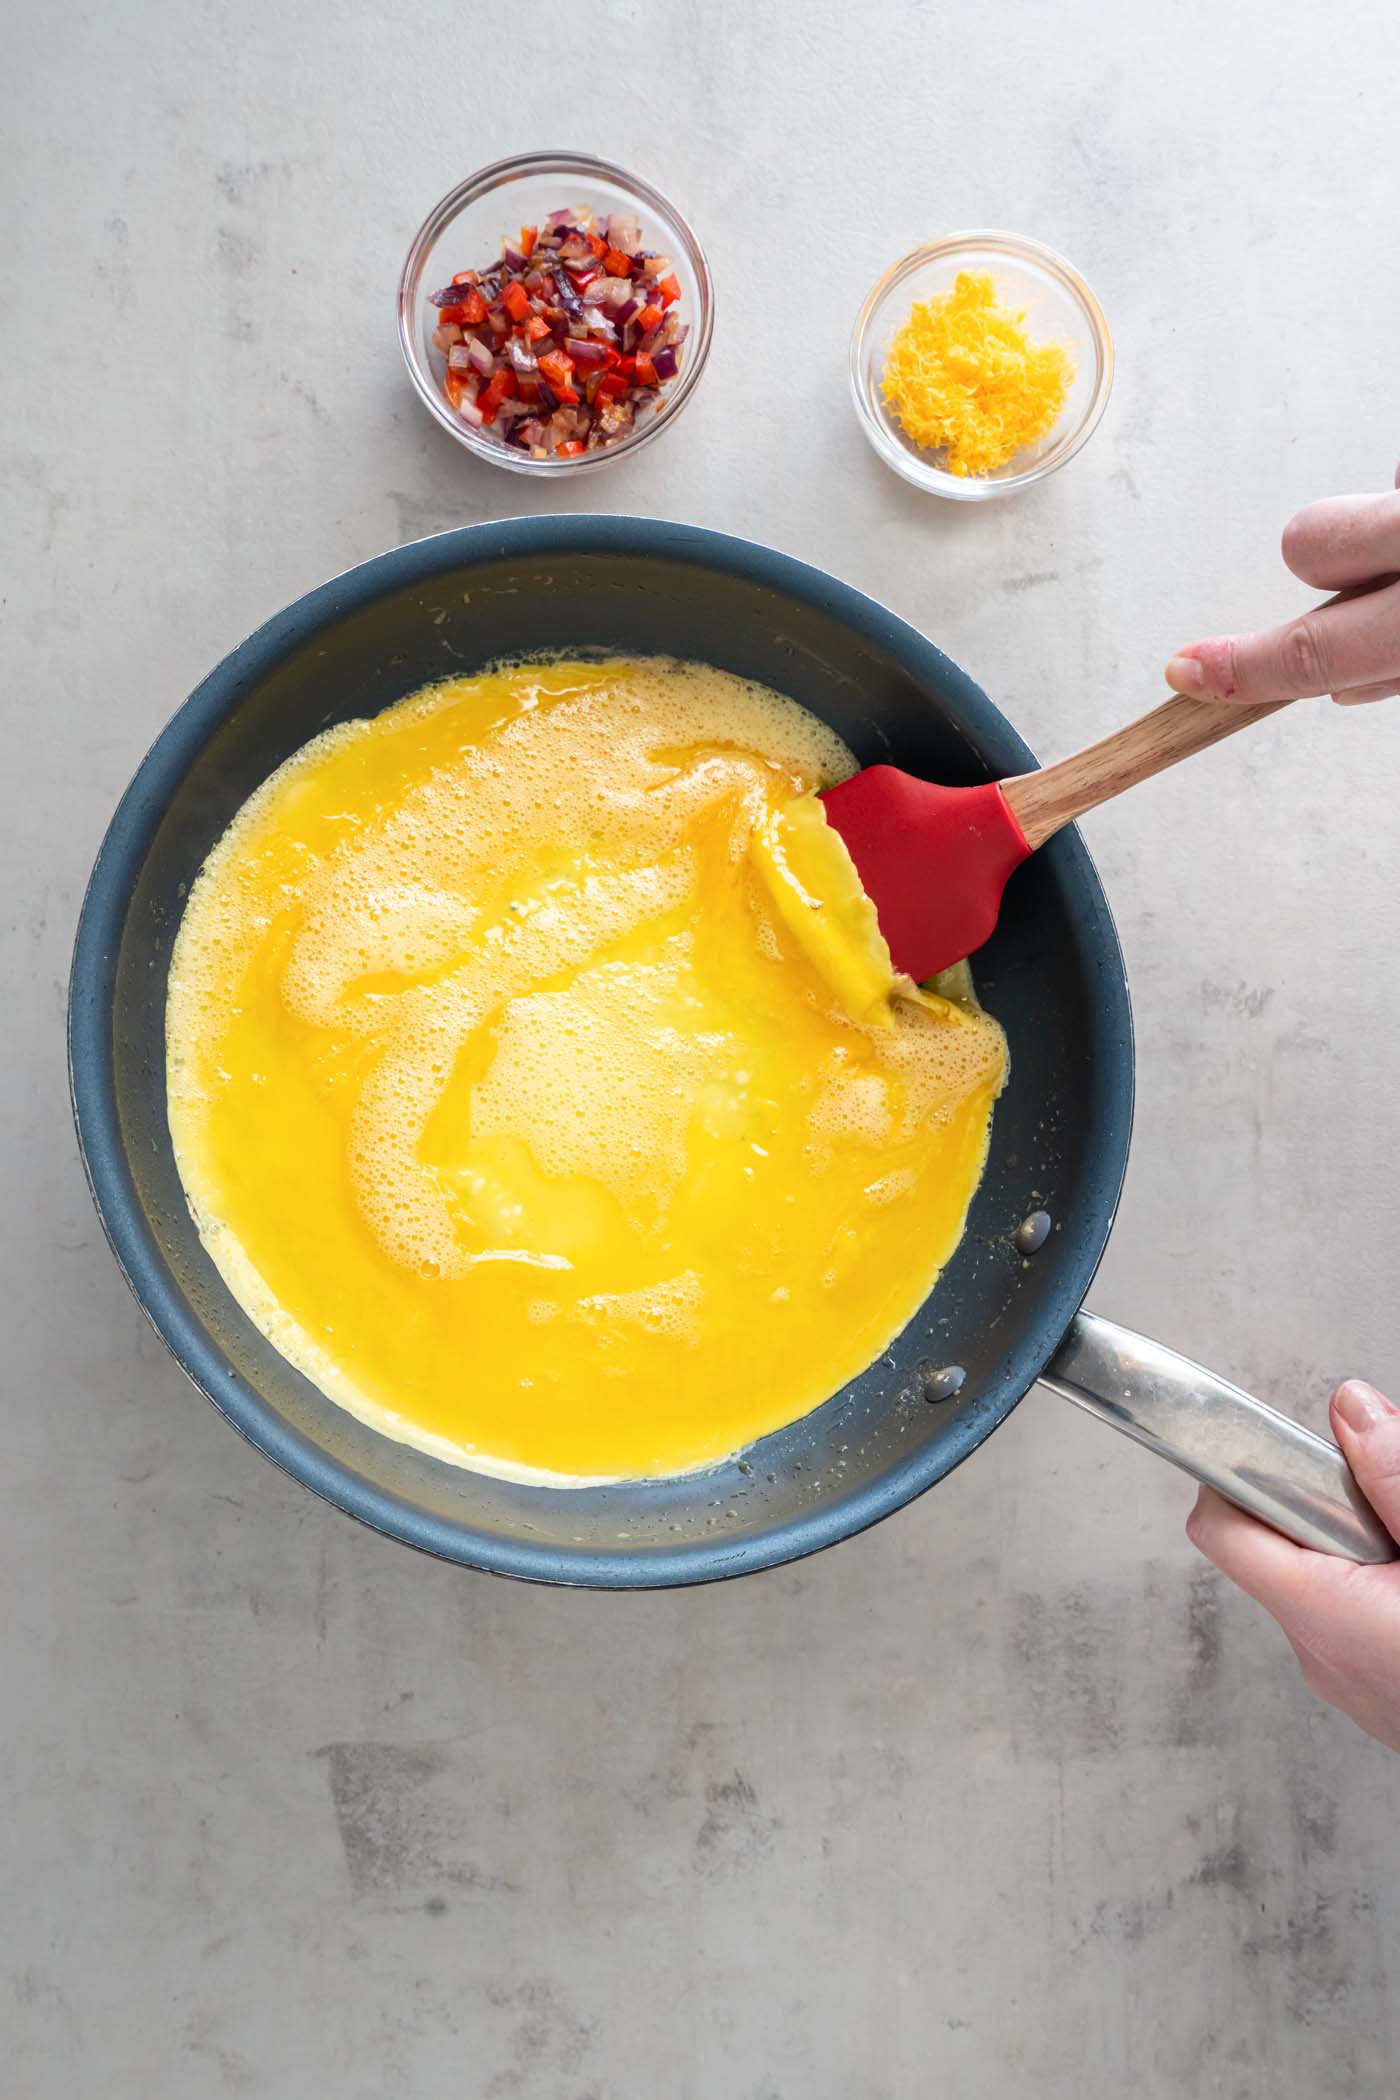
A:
[615,418]
[583,319]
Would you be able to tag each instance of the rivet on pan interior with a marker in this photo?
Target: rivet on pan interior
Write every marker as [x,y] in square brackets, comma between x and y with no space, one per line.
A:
[944,1384]
[1032,1233]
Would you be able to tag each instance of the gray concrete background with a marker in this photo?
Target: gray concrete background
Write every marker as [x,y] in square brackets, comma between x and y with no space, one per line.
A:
[1011,1797]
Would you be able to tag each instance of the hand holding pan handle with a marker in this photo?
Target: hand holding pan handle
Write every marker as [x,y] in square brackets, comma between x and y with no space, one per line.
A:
[1274,1468]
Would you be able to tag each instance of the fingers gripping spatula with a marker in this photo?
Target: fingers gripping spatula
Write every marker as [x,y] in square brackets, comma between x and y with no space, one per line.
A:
[934,860]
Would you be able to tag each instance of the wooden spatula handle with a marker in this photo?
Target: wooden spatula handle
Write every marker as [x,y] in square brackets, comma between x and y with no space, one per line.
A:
[1042,802]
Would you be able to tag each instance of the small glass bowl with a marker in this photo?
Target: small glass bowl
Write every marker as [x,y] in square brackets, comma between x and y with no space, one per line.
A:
[1059,307]
[464,232]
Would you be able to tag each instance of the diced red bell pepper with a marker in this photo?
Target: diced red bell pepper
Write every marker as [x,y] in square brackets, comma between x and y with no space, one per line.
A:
[536,305]
[500,387]
[557,369]
[470,311]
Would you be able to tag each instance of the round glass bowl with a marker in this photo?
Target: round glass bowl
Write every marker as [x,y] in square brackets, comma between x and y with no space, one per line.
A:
[1059,307]
[464,232]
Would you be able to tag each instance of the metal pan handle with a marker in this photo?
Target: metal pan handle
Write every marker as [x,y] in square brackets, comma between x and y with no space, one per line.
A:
[1274,1468]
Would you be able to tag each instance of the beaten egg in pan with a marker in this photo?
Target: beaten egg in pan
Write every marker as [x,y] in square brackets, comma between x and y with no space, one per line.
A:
[538,1082]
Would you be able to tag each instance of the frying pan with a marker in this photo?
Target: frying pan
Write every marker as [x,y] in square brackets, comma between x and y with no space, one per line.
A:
[1052,975]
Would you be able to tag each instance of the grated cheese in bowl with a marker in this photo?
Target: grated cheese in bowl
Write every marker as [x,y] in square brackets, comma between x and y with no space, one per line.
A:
[963,376]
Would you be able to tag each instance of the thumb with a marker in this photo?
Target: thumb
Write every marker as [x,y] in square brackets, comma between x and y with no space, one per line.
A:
[1367,1426]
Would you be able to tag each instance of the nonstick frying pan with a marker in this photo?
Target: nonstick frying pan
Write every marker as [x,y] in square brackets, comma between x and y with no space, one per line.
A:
[1053,976]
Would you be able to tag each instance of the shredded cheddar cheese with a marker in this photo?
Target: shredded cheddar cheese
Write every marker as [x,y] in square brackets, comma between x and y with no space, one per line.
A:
[963,376]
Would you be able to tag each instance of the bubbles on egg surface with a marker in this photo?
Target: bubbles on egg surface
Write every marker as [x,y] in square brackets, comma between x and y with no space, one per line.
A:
[853,1105]
[670,1307]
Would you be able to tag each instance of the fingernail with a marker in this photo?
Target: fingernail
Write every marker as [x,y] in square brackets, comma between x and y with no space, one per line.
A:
[1360,1406]
[1185,674]
[1361,695]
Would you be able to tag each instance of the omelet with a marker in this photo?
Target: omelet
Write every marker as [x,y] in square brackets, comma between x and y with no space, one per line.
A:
[538,1084]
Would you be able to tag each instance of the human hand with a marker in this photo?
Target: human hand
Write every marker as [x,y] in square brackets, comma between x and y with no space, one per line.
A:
[1351,650]
[1342,1620]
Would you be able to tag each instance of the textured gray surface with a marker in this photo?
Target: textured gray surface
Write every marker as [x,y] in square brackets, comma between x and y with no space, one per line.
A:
[1010,1797]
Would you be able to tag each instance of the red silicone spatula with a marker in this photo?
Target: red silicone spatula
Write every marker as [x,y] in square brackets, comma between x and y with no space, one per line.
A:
[934,860]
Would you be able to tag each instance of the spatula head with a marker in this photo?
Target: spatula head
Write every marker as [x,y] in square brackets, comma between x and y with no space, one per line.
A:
[932,860]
